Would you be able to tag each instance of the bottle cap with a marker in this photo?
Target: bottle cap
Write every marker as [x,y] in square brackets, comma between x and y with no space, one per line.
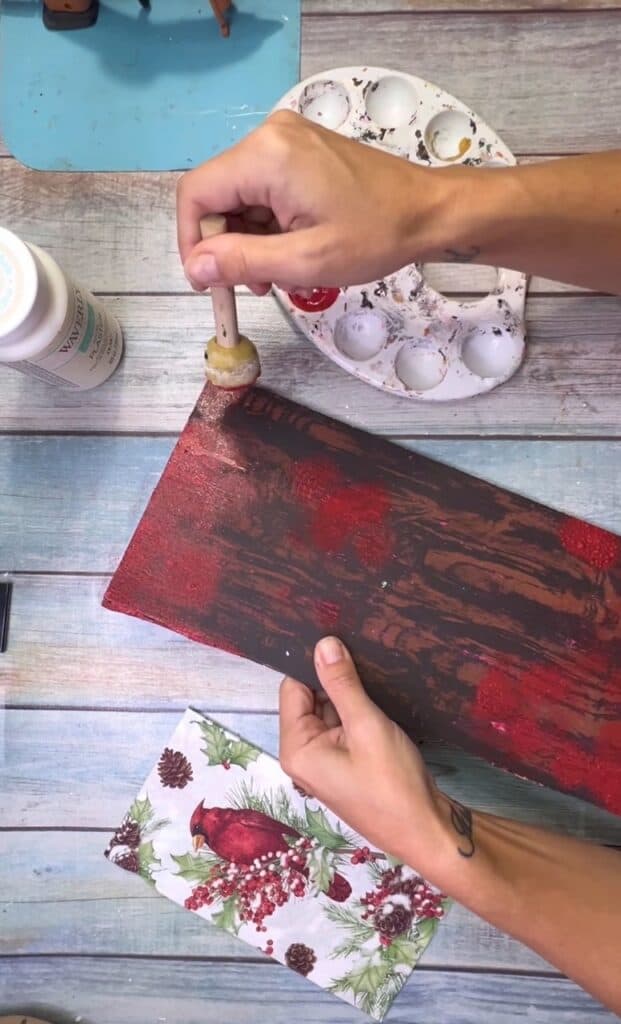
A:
[18,284]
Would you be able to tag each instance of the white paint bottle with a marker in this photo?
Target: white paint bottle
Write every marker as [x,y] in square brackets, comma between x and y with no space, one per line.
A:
[51,328]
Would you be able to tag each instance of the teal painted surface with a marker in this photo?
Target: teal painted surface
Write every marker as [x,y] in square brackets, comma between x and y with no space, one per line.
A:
[142,90]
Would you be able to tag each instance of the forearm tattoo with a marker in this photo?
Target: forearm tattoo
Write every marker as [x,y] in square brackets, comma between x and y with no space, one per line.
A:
[461,820]
[463,255]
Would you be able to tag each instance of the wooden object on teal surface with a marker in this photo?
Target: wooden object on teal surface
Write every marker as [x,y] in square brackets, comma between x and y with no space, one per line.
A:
[141,89]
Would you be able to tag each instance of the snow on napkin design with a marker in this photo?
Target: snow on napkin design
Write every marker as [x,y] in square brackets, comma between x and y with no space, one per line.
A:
[220,829]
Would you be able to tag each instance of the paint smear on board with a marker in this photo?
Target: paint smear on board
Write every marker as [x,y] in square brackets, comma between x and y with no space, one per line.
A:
[536,719]
[592,545]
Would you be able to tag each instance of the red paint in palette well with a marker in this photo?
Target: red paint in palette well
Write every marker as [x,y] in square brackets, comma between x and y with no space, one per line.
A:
[316,300]
[598,548]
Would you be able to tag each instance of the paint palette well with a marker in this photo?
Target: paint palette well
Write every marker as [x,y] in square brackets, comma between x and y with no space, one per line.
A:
[402,334]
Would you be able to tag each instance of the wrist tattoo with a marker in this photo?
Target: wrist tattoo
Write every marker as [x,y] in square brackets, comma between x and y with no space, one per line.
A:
[461,820]
[463,255]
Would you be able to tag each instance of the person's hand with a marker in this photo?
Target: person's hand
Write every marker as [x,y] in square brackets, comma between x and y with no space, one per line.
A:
[307,207]
[342,749]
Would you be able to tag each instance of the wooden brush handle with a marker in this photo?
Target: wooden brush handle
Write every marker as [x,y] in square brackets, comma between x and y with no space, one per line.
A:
[223,299]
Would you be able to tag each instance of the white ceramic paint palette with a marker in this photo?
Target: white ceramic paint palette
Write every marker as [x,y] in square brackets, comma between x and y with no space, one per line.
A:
[401,334]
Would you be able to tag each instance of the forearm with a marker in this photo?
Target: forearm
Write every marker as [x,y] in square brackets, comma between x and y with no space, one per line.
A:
[560,219]
[557,895]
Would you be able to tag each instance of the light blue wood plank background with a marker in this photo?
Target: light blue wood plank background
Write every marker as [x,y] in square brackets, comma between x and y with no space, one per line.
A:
[110,991]
[75,749]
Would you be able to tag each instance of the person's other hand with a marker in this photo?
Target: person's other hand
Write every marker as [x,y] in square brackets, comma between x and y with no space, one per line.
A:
[306,207]
[342,749]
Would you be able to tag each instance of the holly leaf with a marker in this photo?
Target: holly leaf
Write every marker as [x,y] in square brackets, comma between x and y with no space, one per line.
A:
[320,868]
[147,861]
[320,829]
[368,978]
[194,869]
[425,930]
[242,753]
[228,917]
[217,745]
[141,811]
[402,952]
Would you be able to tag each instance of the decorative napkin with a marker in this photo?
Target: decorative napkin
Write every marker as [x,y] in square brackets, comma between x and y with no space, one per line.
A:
[220,829]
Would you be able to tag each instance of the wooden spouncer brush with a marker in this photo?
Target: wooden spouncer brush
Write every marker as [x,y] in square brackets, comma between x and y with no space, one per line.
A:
[231,359]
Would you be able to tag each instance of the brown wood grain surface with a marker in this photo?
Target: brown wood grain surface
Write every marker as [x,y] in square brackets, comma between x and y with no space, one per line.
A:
[475,616]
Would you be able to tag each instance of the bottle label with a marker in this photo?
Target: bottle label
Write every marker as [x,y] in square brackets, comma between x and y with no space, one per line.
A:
[86,349]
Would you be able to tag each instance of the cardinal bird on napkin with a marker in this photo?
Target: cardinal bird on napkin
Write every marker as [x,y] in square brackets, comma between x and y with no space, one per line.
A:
[220,829]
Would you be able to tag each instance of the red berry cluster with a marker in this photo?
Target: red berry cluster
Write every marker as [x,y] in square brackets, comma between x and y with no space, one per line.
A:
[269,949]
[424,901]
[362,855]
[260,888]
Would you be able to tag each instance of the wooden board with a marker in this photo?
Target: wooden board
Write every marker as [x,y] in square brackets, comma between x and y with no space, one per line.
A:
[89,494]
[475,616]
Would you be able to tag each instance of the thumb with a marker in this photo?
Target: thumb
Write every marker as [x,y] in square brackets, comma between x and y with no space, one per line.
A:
[339,678]
[232,259]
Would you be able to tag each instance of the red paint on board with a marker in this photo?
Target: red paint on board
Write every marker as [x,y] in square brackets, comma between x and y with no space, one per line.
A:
[314,480]
[344,514]
[328,614]
[355,513]
[497,698]
[531,713]
[196,580]
[601,769]
[592,545]
[316,300]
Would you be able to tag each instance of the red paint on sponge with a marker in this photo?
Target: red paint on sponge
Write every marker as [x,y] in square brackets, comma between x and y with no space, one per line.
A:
[592,545]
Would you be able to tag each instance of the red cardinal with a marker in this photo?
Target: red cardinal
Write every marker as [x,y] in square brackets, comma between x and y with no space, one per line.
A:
[243,835]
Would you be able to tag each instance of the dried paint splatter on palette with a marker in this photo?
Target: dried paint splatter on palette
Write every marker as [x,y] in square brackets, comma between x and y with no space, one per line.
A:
[475,616]
[403,334]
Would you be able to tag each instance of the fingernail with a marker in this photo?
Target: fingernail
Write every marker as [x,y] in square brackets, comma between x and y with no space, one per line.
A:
[330,650]
[203,270]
